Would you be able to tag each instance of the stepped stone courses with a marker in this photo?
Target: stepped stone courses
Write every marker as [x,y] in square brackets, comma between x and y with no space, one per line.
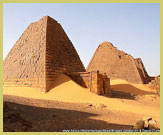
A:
[26,57]
[42,52]
[61,56]
[117,64]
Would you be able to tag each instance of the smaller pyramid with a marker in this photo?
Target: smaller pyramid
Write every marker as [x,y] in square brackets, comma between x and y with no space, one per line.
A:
[41,53]
[118,64]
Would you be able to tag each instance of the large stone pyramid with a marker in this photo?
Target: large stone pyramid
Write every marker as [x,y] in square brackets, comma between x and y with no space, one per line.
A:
[41,53]
[117,64]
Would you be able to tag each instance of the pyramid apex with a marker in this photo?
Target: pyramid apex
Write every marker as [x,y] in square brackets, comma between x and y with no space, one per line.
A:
[106,44]
[46,18]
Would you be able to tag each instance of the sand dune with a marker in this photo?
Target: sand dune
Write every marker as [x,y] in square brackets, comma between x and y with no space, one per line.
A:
[67,90]
[138,86]
[124,86]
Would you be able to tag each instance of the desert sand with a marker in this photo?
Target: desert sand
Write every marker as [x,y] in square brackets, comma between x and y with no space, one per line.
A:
[135,100]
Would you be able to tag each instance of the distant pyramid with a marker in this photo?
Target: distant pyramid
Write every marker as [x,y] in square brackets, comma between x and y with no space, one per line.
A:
[42,52]
[117,64]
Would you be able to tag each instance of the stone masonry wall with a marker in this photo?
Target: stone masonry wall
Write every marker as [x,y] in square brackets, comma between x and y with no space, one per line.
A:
[100,83]
[116,64]
[107,85]
[97,83]
[24,65]
[141,69]
[61,56]
[41,53]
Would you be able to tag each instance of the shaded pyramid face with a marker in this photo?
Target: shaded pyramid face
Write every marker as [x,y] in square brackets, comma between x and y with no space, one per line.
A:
[41,53]
[117,64]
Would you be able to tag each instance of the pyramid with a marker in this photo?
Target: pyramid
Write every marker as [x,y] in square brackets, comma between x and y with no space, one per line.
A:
[118,64]
[41,53]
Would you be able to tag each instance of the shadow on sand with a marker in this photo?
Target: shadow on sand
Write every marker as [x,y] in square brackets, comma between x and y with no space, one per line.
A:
[55,120]
[126,91]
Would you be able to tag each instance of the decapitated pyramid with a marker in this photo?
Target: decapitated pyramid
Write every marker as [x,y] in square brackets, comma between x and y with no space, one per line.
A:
[41,53]
[117,64]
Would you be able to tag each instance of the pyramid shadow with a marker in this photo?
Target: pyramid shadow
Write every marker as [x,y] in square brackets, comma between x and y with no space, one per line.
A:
[126,91]
[55,120]
[121,95]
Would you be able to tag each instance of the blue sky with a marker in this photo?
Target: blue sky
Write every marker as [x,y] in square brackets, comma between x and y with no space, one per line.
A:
[133,28]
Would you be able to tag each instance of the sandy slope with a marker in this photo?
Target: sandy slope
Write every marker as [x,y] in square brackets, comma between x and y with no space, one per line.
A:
[126,86]
[67,90]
